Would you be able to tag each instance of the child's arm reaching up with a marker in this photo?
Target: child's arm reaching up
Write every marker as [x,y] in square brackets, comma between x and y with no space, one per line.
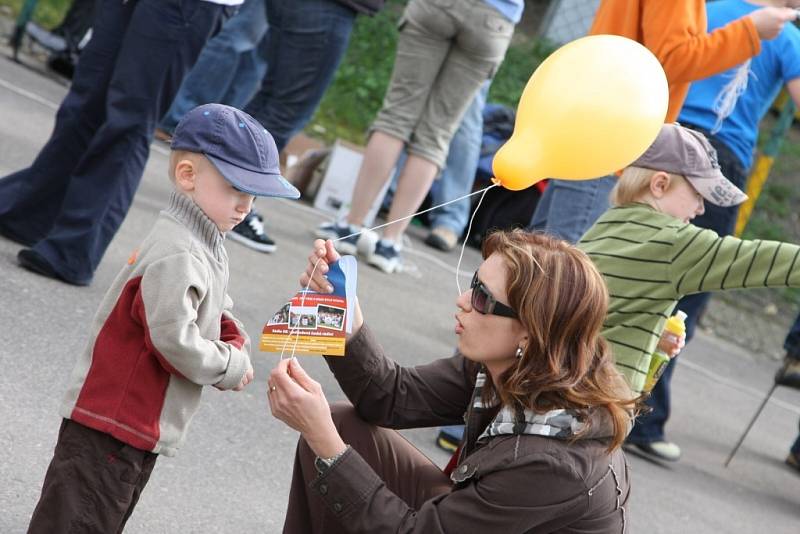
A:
[703,261]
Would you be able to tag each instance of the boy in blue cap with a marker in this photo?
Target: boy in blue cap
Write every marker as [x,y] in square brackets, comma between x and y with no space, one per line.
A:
[163,331]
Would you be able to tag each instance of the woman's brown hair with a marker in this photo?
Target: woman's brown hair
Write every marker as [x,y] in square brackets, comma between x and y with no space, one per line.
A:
[561,300]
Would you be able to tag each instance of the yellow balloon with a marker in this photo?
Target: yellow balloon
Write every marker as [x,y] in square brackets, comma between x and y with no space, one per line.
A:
[591,108]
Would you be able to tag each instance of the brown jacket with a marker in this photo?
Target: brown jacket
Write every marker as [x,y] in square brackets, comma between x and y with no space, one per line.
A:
[508,484]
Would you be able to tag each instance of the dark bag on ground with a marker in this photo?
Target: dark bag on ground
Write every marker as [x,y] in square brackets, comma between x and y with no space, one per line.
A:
[501,208]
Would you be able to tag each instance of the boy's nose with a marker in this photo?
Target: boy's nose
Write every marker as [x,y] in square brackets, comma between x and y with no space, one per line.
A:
[245,204]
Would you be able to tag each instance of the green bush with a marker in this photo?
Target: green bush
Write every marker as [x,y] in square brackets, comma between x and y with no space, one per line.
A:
[521,60]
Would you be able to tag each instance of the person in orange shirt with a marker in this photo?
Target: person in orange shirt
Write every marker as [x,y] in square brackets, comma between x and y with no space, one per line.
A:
[675,31]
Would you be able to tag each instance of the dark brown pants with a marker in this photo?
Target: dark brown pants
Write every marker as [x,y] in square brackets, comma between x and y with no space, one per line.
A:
[405,470]
[92,484]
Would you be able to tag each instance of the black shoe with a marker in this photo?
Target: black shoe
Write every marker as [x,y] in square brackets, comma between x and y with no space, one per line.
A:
[62,63]
[447,440]
[250,233]
[789,374]
[36,263]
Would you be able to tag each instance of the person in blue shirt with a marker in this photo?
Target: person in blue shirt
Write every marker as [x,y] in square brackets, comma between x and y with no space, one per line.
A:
[727,108]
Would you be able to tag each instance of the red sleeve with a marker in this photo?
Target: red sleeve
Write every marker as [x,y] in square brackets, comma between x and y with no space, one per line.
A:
[230,333]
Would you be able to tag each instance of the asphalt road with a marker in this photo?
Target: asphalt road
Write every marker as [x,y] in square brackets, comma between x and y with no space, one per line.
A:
[233,474]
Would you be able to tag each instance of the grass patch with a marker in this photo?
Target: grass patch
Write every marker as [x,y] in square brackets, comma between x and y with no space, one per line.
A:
[773,203]
[47,13]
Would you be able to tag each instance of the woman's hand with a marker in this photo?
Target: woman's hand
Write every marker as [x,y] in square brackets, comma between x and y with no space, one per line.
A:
[322,256]
[297,400]
[670,344]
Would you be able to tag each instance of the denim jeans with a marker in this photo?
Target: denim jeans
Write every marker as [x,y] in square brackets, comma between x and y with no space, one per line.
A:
[568,208]
[72,199]
[229,68]
[304,45]
[650,427]
[458,174]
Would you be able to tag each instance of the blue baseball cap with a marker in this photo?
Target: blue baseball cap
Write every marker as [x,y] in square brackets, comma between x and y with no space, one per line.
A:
[238,146]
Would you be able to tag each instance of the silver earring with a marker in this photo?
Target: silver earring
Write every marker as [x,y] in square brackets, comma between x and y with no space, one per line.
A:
[519,353]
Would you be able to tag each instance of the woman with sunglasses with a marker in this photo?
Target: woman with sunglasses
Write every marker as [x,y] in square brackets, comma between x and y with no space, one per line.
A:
[545,409]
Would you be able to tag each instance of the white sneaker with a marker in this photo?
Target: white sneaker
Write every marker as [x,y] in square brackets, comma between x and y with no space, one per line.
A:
[363,243]
[338,232]
[386,257]
[367,242]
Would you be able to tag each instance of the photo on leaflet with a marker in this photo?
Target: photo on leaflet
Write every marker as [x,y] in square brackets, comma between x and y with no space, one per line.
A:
[303,318]
[281,316]
[330,317]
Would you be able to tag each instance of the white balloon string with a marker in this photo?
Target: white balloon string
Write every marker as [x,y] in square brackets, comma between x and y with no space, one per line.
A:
[466,238]
[296,330]
[415,214]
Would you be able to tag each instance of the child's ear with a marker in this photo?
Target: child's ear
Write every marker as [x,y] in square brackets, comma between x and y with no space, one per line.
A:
[184,175]
[659,184]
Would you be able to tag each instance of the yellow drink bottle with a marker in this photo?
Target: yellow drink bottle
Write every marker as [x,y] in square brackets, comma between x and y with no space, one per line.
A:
[676,327]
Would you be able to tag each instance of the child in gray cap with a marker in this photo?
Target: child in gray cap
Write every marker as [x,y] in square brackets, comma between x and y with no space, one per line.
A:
[651,255]
[163,330]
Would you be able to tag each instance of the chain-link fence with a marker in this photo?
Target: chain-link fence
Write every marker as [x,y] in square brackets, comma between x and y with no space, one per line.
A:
[566,20]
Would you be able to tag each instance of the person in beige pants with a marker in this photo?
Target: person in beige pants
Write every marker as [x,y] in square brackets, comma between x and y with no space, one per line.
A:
[446,50]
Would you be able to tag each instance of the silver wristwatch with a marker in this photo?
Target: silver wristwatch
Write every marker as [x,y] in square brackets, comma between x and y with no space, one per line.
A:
[323,464]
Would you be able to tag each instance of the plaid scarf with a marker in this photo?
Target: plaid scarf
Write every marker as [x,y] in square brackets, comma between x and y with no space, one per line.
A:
[560,423]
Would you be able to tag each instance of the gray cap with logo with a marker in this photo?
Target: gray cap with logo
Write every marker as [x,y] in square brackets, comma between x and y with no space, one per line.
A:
[679,150]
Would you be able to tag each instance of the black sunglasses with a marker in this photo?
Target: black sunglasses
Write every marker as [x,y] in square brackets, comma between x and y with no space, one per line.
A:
[485,303]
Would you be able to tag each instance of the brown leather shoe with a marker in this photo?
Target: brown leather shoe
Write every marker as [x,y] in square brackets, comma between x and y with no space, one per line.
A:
[163,136]
[442,238]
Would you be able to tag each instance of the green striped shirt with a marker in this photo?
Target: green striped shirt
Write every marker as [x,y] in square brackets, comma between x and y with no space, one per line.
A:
[650,260]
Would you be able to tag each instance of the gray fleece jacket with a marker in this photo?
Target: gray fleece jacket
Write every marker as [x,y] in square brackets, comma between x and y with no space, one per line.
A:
[163,331]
